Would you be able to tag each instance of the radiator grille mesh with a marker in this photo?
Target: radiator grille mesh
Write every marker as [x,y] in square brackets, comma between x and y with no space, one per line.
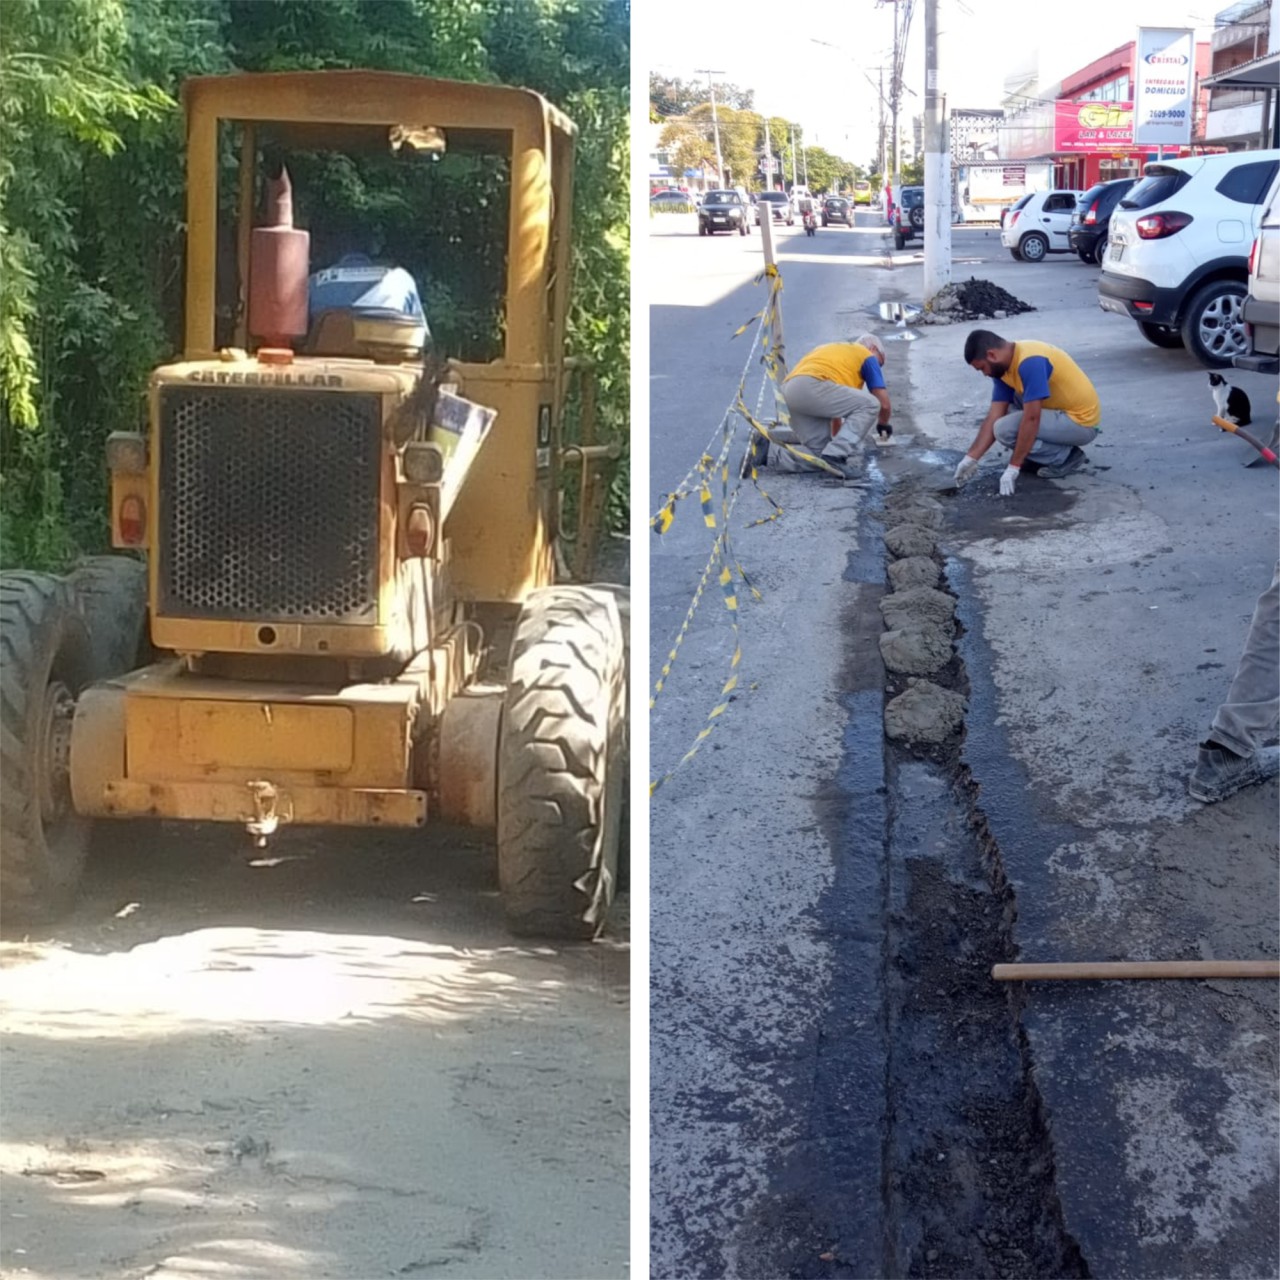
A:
[269,504]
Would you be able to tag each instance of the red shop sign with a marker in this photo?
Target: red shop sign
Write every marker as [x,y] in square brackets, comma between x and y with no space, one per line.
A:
[1092,126]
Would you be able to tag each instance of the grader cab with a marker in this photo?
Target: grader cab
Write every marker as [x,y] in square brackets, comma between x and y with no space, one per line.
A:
[349,609]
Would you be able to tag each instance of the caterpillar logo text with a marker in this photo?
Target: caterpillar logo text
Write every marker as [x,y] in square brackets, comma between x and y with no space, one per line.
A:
[266,379]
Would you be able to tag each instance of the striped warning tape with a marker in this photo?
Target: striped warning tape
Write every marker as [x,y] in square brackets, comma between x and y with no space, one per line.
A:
[713,471]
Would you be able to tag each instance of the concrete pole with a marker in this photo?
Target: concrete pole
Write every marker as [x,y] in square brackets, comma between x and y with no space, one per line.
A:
[937,166]
[794,178]
[768,157]
[883,155]
[715,121]
[766,243]
[895,94]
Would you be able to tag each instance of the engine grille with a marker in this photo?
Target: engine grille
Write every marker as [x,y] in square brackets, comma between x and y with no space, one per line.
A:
[269,504]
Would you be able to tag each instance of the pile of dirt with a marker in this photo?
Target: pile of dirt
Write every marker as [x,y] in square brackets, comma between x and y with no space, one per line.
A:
[978,300]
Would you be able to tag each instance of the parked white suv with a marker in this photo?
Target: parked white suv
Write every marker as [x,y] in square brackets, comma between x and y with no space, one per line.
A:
[1041,225]
[1178,259]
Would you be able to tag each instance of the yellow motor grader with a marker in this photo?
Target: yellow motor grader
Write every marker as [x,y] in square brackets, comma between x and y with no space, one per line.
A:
[348,608]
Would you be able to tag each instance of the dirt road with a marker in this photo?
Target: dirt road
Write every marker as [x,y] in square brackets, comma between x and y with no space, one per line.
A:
[337,1064]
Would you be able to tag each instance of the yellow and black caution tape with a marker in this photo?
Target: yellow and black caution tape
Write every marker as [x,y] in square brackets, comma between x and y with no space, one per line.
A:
[712,470]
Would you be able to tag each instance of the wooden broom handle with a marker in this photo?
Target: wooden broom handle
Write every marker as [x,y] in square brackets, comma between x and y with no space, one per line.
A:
[1094,970]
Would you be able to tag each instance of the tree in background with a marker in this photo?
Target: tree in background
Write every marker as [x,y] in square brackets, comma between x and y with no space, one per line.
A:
[670,96]
[92,201]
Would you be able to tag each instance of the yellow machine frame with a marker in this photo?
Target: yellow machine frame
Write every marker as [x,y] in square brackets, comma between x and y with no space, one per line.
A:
[258,744]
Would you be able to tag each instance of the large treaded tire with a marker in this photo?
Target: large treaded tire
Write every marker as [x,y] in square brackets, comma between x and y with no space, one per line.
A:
[111,592]
[560,757]
[44,644]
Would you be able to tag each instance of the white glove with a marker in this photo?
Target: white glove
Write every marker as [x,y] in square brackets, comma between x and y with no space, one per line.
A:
[967,466]
[1007,481]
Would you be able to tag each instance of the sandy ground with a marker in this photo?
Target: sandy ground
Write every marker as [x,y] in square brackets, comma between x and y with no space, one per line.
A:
[335,1065]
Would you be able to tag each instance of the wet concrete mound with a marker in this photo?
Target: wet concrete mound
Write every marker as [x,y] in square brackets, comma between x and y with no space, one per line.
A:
[916,651]
[914,571]
[914,605]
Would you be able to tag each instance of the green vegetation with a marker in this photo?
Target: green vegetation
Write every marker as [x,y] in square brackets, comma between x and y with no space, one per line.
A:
[92,195]
[689,137]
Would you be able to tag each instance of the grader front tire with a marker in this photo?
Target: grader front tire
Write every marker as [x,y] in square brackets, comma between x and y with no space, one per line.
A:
[45,660]
[560,764]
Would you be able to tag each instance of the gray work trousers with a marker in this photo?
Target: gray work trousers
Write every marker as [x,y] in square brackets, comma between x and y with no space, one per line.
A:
[1252,709]
[812,403]
[1054,439]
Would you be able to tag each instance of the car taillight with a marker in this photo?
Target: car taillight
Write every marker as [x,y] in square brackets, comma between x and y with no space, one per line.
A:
[1013,217]
[1091,217]
[1253,259]
[1156,226]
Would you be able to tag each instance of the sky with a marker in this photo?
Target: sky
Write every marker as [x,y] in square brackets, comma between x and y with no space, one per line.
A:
[831,91]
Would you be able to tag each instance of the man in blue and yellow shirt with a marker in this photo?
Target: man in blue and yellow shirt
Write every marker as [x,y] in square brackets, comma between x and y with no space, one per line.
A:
[834,396]
[1060,408]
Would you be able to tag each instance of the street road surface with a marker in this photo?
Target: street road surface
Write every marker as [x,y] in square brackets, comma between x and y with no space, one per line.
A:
[833,1094]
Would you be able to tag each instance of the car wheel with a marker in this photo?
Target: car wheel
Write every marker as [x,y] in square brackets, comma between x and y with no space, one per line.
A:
[917,219]
[1015,255]
[1033,247]
[1213,324]
[1161,335]
[1084,255]
[702,231]
[1100,250]
[742,228]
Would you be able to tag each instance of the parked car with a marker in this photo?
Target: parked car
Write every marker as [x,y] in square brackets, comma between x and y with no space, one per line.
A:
[1041,226]
[1177,261]
[908,215]
[779,205]
[1016,207]
[1262,306]
[722,211]
[1091,222]
[837,209]
[670,200]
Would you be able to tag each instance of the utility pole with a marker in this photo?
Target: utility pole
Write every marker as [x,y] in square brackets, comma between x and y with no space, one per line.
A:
[794,178]
[895,92]
[937,166]
[715,122]
[768,158]
[883,157]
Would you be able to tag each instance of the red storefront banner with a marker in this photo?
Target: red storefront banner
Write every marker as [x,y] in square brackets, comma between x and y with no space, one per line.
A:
[1092,126]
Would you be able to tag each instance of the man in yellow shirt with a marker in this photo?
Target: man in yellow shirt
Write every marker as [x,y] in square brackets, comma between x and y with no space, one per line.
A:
[839,382]
[1060,408]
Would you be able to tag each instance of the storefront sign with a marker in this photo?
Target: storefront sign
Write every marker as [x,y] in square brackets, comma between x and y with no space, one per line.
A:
[1014,175]
[1165,86]
[1092,126]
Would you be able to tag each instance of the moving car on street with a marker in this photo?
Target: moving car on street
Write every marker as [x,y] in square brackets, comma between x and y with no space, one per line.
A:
[670,200]
[862,192]
[1178,257]
[1041,225]
[837,209]
[722,211]
[779,205]
[1091,222]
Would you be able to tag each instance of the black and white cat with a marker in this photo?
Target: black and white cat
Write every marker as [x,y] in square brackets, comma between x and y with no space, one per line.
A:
[1232,403]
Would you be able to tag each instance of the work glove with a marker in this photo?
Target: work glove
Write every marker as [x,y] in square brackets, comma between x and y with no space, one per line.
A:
[965,469]
[1007,481]
[884,430]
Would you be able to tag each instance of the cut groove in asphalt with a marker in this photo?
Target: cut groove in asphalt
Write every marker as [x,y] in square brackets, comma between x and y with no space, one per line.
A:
[925,1151]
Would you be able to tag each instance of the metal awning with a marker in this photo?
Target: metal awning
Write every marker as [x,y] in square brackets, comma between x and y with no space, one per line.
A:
[1259,73]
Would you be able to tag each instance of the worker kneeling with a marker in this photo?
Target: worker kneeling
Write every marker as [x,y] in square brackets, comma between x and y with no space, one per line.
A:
[835,395]
[1060,408]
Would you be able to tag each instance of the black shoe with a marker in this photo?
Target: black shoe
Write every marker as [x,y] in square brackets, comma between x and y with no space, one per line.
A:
[1220,773]
[1072,462]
